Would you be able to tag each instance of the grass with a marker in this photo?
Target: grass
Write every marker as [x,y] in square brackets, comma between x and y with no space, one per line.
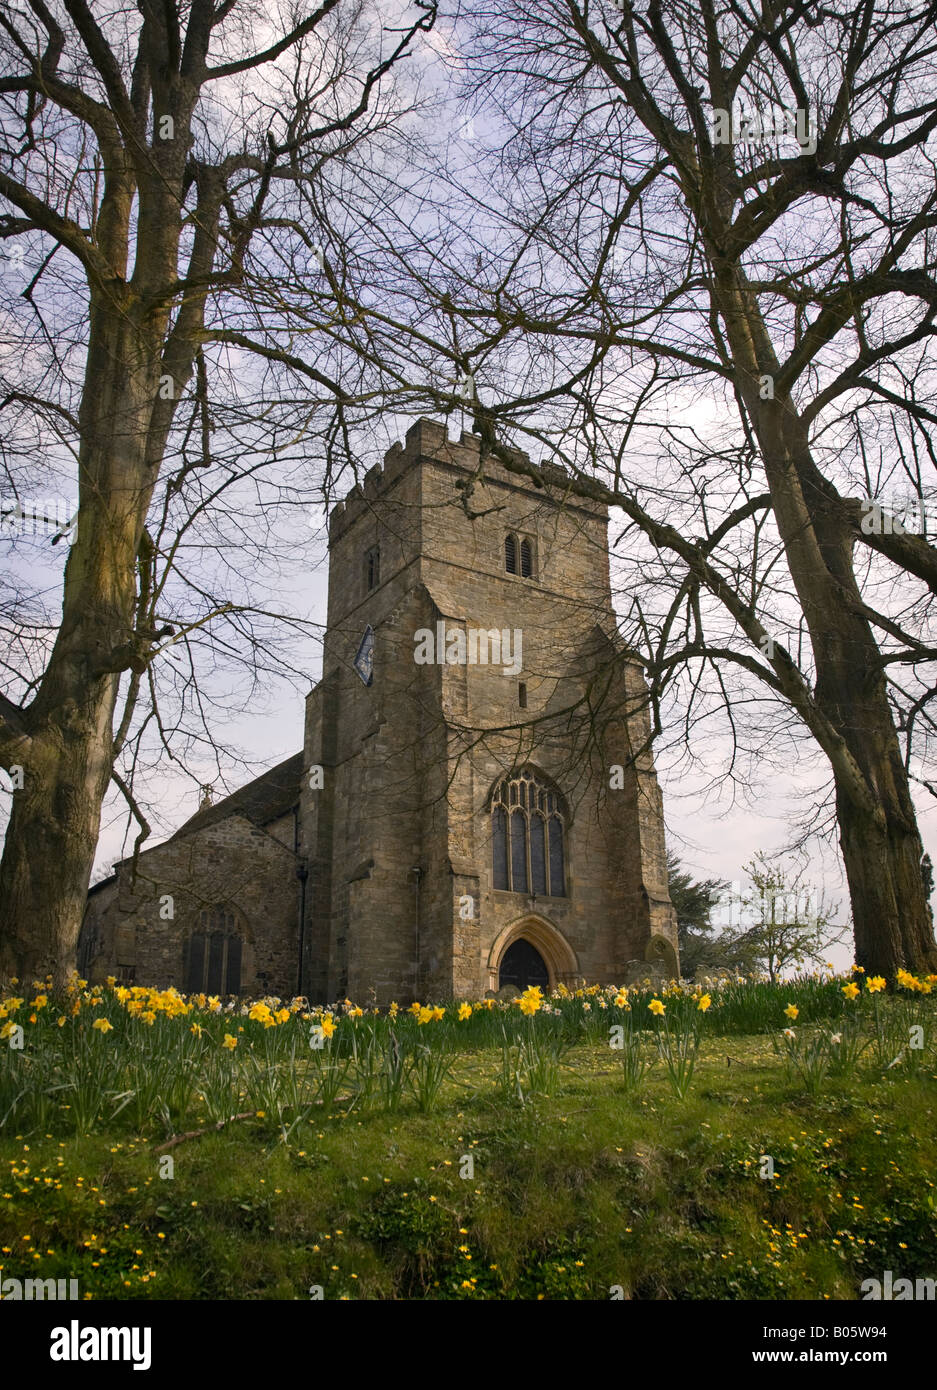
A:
[572,1195]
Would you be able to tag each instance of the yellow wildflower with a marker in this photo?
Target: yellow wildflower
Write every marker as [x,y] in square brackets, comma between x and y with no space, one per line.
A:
[531,1000]
[656,1007]
[229,1042]
[101,1025]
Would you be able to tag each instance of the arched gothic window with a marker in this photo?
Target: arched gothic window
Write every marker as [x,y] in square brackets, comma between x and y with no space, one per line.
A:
[518,556]
[527,837]
[527,561]
[213,953]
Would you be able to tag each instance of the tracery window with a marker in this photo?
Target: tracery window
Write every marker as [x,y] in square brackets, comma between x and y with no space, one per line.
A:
[213,953]
[527,837]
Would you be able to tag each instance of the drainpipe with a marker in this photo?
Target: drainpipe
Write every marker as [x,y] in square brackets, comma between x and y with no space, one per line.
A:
[417,873]
[302,873]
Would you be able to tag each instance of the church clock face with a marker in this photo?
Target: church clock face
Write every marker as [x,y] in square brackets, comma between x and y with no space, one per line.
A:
[364,660]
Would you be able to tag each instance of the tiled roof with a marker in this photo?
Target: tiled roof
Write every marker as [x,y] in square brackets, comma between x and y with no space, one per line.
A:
[265,799]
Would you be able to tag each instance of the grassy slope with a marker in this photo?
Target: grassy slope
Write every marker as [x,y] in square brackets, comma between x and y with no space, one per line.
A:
[571,1195]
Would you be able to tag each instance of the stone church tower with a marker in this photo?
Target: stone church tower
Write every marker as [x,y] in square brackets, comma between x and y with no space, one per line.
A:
[475,804]
[479,803]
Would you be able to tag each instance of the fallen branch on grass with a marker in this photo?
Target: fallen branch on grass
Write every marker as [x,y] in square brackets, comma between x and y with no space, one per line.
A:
[197,1133]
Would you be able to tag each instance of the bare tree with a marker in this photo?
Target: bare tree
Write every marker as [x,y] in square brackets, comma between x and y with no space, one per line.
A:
[160,167]
[639,245]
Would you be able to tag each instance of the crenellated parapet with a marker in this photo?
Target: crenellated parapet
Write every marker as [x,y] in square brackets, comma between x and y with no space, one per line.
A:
[428,439]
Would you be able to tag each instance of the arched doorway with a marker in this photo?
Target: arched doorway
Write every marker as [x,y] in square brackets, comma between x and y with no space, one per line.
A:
[522,965]
[554,953]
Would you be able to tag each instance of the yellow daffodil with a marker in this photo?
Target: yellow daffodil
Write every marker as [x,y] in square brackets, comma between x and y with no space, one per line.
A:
[229,1042]
[101,1025]
[656,1007]
[791,1011]
[465,1011]
[851,990]
[874,983]
[704,1003]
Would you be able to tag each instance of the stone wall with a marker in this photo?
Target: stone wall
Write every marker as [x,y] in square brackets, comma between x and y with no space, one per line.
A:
[138,930]
[398,835]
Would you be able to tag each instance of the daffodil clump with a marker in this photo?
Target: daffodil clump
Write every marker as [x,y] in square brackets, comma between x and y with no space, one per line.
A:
[158,1057]
[884,1037]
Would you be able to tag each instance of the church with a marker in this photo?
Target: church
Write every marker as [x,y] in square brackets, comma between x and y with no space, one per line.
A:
[475,804]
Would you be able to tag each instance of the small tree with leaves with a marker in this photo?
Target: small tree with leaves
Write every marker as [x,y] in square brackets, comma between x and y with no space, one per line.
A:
[787,922]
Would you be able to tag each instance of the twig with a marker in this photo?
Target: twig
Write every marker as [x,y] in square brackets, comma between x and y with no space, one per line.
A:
[197,1133]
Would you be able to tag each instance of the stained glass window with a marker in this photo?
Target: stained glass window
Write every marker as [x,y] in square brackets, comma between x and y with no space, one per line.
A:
[524,808]
[213,954]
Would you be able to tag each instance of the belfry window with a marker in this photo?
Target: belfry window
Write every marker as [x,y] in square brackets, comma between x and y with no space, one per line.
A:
[518,556]
[527,837]
[372,567]
[213,953]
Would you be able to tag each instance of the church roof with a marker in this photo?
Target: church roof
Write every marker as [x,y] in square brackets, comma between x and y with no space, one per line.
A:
[265,799]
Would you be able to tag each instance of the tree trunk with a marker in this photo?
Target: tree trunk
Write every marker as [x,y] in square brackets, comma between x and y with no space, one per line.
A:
[892,924]
[53,833]
[880,842]
[67,754]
